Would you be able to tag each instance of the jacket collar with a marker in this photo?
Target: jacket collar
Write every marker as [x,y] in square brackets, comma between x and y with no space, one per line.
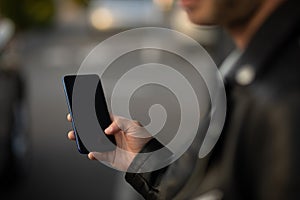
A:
[275,32]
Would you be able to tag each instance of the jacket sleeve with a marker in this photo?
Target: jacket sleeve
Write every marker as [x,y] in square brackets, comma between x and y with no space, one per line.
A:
[168,182]
[268,156]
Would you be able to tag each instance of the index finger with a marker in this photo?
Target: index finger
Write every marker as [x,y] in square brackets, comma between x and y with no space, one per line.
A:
[112,129]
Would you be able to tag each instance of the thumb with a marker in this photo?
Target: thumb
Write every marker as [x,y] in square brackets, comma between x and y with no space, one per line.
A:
[123,123]
[131,127]
[118,124]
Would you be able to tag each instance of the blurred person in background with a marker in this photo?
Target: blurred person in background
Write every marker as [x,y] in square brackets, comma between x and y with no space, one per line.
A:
[257,155]
[13,115]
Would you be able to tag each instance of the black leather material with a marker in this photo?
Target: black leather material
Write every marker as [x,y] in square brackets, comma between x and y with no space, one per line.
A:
[258,154]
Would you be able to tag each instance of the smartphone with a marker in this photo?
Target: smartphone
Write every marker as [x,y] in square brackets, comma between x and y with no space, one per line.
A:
[90,116]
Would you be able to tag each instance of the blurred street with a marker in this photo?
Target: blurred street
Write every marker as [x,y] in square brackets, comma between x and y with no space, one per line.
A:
[57,170]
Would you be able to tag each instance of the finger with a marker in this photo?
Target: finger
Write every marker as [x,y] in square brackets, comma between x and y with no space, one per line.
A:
[102,156]
[71,135]
[121,162]
[91,156]
[69,118]
[112,129]
[137,123]
[132,127]
[123,123]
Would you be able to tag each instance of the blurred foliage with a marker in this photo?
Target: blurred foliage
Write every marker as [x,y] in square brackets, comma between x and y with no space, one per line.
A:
[28,13]
[83,3]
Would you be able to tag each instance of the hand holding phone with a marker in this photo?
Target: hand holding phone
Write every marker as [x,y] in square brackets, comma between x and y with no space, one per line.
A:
[123,138]
[129,142]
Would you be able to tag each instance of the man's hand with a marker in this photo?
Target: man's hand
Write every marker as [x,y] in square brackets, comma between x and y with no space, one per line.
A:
[130,138]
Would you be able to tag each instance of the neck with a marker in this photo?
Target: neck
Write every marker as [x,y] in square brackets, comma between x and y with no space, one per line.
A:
[243,34]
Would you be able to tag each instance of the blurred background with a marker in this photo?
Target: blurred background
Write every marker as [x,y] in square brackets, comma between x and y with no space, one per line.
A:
[40,41]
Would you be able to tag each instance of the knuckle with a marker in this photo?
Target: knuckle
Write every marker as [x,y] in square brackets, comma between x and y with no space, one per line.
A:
[137,123]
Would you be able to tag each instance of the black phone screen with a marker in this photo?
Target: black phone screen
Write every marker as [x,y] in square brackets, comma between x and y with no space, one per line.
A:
[90,115]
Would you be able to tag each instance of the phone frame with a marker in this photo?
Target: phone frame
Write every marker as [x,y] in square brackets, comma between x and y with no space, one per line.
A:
[80,146]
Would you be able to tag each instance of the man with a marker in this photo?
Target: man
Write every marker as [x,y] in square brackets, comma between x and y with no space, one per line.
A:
[257,155]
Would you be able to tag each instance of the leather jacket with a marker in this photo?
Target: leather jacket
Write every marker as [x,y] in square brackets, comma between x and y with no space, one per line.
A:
[257,155]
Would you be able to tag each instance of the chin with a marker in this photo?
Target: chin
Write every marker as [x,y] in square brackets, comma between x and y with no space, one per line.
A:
[200,20]
[193,17]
